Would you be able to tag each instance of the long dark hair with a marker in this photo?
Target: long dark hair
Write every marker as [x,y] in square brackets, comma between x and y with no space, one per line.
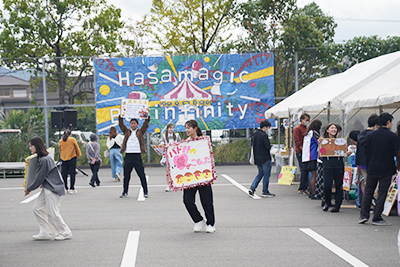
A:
[193,124]
[67,133]
[169,125]
[38,143]
[326,134]
[315,125]
[113,132]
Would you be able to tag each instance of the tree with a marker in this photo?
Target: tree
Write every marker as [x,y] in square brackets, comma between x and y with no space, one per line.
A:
[308,32]
[262,21]
[362,48]
[67,33]
[190,26]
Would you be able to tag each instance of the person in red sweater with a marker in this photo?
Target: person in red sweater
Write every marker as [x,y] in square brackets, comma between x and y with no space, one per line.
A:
[298,133]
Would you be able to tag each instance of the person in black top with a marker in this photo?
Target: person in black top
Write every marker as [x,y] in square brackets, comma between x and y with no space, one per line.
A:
[381,147]
[262,158]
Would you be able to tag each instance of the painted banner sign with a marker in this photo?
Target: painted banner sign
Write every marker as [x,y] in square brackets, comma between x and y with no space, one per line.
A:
[347,178]
[221,91]
[190,163]
[332,147]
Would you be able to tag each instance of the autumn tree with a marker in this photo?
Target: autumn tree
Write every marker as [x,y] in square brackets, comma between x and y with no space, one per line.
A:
[68,34]
[190,26]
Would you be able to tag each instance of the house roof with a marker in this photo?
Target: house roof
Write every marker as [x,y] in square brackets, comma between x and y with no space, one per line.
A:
[7,80]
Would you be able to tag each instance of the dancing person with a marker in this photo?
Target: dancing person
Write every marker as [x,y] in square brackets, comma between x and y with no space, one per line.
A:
[381,147]
[69,151]
[94,158]
[310,153]
[262,158]
[205,192]
[133,144]
[333,171]
[298,133]
[46,207]
[114,142]
[169,137]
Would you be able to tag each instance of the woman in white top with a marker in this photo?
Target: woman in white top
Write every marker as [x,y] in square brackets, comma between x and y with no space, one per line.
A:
[114,142]
[169,137]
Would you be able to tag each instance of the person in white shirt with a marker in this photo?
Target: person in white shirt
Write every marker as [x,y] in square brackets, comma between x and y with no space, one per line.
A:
[169,138]
[133,145]
[114,142]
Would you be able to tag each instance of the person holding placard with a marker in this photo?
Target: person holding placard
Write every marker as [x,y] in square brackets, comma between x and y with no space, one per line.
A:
[262,158]
[133,145]
[114,142]
[333,171]
[46,207]
[206,194]
[169,137]
[310,153]
[381,147]
[69,151]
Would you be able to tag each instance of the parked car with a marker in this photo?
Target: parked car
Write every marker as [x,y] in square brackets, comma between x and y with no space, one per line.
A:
[81,137]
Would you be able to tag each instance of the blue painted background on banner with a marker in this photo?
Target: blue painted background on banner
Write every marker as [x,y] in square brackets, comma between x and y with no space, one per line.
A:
[218,91]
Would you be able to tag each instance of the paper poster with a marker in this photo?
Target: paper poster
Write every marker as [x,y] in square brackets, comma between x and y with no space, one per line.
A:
[333,147]
[286,175]
[190,163]
[347,178]
[134,108]
[390,199]
[159,149]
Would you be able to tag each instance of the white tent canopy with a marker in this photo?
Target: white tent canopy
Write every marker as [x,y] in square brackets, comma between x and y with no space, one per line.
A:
[367,84]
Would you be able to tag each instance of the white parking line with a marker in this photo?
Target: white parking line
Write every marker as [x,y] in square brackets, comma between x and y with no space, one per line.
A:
[131,247]
[29,199]
[141,193]
[332,247]
[241,187]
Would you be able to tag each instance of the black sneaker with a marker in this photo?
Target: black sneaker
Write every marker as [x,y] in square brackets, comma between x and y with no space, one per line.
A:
[251,192]
[268,195]
[381,223]
[92,184]
[362,220]
[123,195]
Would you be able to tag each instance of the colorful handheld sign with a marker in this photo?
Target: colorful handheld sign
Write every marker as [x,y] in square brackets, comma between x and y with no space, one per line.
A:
[190,163]
[332,147]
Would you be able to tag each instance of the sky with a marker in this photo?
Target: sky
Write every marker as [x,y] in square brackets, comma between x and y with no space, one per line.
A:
[354,17]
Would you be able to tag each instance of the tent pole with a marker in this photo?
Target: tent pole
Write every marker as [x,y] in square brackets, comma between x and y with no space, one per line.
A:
[279,133]
[329,112]
[380,110]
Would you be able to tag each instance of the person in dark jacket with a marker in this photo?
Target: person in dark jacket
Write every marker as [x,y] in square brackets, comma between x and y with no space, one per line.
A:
[361,158]
[381,147]
[262,158]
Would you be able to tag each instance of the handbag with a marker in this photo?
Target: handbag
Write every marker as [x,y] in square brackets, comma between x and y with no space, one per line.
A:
[251,160]
[107,153]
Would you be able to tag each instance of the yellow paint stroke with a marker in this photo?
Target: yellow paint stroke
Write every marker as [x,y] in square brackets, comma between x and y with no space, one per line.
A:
[103,114]
[256,75]
[169,59]
[204,123]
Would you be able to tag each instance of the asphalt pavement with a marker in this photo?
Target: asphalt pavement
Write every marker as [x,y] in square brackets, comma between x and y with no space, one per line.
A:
[287,230]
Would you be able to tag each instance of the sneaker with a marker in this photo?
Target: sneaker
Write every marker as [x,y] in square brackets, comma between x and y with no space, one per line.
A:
[43,237]
[61,237]
[300,191]
[210,229]
[251,192]
[306,193]
[92,184]
[268,195]
[362,220]
[98,184]
[72,191]
[199,226]
[373,202]
[117,178]
[123,195]
[168,189]
[312,196]
[146,195]
[381,223]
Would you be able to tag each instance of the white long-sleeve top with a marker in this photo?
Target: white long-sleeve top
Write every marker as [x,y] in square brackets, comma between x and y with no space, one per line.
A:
[118,140]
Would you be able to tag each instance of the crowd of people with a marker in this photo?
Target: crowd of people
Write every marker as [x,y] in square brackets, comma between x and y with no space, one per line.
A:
[376,151]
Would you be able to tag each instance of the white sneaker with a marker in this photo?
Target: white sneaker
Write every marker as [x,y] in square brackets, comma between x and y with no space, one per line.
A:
[72,191]
[210,229]
[42,236]
[168,189]
[199,226]
[61,237]
[117,177]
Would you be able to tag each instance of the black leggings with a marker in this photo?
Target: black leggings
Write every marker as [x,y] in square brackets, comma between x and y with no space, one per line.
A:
[331,175]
